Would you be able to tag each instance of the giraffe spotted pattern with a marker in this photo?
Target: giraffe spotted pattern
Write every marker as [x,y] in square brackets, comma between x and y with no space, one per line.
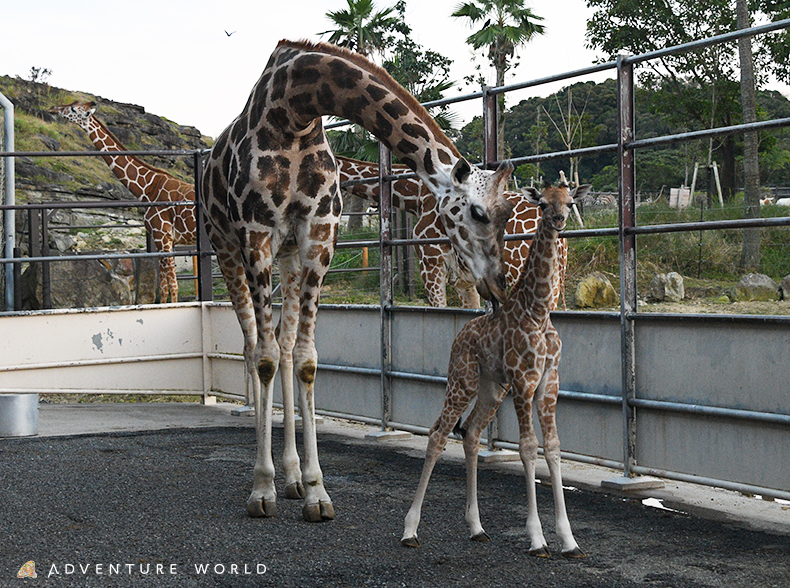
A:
[514,349]
[271,189]
[168,225]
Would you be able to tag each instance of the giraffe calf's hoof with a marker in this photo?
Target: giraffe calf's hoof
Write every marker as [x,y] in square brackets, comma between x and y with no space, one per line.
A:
[482,537]
[318,512]
[410,542]
[294,491]
[574,553]
[257,508]
[540,552]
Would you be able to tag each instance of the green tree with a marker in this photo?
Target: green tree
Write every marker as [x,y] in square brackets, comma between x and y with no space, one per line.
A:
[362,29]
[507,25]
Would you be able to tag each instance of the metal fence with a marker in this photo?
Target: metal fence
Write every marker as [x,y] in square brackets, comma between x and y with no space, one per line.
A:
[701,385]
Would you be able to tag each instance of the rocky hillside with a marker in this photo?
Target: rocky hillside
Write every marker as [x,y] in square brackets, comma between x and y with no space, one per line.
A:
[58,179]
[42,179]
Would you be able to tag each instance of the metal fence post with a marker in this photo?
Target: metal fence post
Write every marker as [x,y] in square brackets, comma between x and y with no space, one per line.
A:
[205,291]
[627,220]
[490,121]
[386,286]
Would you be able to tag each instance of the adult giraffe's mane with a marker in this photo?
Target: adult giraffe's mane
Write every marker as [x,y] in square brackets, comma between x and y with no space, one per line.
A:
[382,76]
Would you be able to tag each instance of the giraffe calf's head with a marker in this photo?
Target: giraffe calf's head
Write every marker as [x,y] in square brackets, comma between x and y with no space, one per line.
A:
[76,112]
[475,212]
[555,202]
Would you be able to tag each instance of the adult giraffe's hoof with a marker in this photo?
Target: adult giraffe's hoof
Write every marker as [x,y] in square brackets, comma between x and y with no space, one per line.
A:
[574,553]
[410,542]
[318,512]
[294,491]
[482,537]
[540,552]
[257,507]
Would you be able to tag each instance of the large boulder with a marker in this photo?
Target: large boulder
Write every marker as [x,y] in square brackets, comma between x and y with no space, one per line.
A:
[90,283]
[596,291]
[786,288]
[667,288]
[755,287]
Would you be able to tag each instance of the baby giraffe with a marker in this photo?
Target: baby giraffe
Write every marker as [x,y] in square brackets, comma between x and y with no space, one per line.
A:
[514,348]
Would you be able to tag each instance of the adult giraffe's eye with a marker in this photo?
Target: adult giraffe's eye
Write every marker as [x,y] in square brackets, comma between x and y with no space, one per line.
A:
[479,214]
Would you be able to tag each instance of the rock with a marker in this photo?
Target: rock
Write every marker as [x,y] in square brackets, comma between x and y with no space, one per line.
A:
[755,287]
[595,291]
[90,283]
[723,299]
[667,288]
[786,288]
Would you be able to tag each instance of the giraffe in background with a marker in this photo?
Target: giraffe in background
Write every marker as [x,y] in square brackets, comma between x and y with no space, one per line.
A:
[516,349]
[168,225]
[438,262]
[270,189]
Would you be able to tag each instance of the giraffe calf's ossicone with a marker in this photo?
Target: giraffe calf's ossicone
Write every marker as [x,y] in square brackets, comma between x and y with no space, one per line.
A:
[515,348]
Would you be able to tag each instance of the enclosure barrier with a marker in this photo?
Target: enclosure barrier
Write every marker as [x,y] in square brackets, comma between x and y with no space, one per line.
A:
[709,390]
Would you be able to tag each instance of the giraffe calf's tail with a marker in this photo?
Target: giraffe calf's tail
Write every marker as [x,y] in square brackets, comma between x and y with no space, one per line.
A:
[459,430]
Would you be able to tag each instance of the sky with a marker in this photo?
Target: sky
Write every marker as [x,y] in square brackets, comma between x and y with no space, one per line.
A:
[175,58]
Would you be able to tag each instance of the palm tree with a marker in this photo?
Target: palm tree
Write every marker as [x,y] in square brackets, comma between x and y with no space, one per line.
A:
[359,28]
[508,25]
[364,31]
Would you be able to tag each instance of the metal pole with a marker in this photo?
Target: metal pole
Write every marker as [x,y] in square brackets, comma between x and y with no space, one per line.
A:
[385,277]
[9,215]
[205,282]
[627,219]
[489,128]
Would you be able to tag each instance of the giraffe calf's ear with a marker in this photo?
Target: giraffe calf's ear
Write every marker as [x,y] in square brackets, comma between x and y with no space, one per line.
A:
[532,194]
[461,171]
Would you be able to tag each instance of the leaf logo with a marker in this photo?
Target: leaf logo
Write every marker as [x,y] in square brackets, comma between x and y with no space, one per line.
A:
[28,570]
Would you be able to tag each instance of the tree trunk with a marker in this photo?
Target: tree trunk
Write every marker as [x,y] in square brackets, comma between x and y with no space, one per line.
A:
[750,253]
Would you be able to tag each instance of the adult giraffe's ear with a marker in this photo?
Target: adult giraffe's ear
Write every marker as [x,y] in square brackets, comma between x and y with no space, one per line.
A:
[461,171]
[502,174]
[92,107]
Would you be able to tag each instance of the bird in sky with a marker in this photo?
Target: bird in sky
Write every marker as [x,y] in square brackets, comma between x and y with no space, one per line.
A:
[229,34]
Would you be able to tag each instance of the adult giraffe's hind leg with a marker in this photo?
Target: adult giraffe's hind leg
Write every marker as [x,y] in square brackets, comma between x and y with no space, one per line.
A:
[286,337]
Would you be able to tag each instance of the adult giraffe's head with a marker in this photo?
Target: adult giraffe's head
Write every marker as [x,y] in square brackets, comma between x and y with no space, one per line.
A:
[475,211]
[76,112]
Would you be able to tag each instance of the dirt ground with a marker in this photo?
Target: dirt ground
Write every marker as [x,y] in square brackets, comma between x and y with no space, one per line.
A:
[114,507]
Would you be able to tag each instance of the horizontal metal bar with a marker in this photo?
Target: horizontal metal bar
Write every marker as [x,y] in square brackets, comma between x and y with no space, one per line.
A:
[95,257]
[555,78]
[730,413]
[702,43]
[95,204]
[703,481]
[570,456]
[98,362]
[754,319]
[138,152]
[100,391]
[609,147]
[780,221]
[707,133]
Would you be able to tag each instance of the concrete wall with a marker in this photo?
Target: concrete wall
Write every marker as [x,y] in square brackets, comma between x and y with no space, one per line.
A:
[740,364]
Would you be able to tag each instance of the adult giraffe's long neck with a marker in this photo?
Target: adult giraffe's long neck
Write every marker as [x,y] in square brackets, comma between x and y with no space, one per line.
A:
[134,173]
[312,80]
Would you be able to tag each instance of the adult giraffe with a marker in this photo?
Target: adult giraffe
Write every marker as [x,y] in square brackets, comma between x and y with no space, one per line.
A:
[167,225]
[270,188]
[439,263]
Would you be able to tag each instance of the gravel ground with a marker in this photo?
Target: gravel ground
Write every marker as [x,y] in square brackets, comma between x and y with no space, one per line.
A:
[167,509]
